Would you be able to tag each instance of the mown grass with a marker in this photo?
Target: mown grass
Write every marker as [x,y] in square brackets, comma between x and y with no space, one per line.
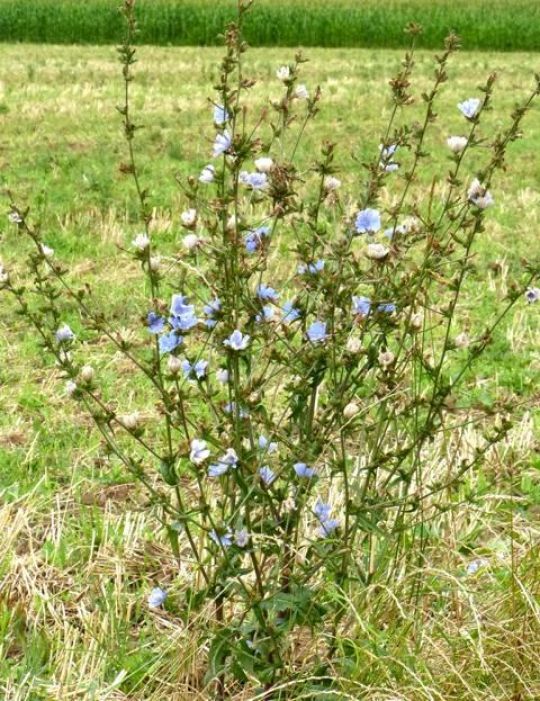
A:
[502,25]
[80,551]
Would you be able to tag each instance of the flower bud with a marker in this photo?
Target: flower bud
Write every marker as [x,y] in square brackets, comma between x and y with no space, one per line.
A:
[386,358]
[301,92]
[351,410]
[130,421]
[155,263]
[87,373]
[46,252]
[174,365]
[71,388]
[417,320]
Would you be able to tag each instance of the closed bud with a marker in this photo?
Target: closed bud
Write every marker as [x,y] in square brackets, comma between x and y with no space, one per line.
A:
[130,421]
[155,263]
[417,321]
[71,388]
[87,373]
[174,365]
[462,340]
[351,410]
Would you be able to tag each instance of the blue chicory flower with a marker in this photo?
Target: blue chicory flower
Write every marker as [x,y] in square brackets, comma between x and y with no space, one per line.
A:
[267,293]
[289,313]
[317,332]
[222,143]
[230,408]
[241,537]
[183,317]
[303,470]
[199,451]
[266,314]
[237,341]
[386,162]
[322,510]
[266,445]
[208,174]
[211,309]
[361,305]
[532,294]
[224,463]
[195,370]
[368,221]
[157,597]
[256,181]
[254,238]
[311,268]
[387,308]
[155,323]
[327,525]
[169,341]
[64,334]
[220,115]
[267,475]
[224,539]
[469,108]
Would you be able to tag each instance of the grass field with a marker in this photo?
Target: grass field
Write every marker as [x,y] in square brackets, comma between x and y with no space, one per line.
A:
[79,554]
[503,25]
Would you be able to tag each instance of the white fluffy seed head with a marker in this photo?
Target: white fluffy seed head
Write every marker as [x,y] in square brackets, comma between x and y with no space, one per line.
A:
[191,242]
[386,358]
[283,73]
[376,251]
[331,183]
[189,218]
[456,144]
[264,164]
[354,345]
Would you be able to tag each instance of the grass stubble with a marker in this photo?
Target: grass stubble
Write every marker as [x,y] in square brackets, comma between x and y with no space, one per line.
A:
[79,550]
